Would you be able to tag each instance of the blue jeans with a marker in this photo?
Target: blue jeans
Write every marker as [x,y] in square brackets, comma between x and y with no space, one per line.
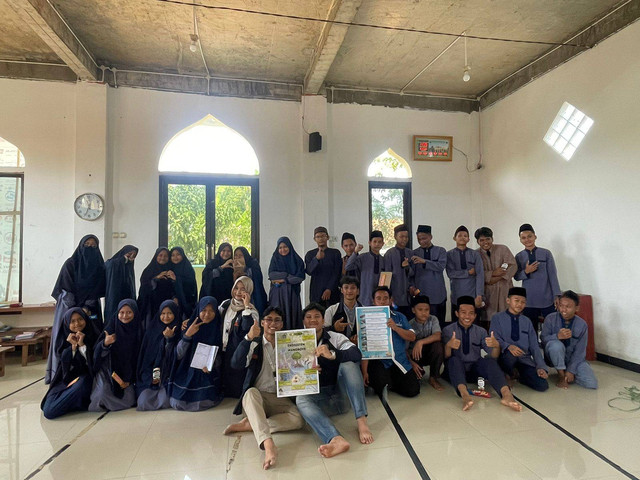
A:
[556,351]
[316,409]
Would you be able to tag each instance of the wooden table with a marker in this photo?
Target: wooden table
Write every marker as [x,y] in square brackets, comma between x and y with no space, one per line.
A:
[4,350]
[44,338]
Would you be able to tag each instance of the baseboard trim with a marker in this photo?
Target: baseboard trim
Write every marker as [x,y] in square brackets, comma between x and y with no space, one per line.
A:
[618,362]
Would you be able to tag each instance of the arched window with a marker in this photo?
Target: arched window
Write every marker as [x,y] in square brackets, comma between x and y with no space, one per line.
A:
[209,146]
[11,201]
[389,200]
[389,165]
[218,201]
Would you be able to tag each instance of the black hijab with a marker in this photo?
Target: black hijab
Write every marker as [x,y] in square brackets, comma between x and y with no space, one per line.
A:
[153,269]
[152,350]
[124,352]
[82,274]
[121,280]
[219,287]
[186,285]
[64,331]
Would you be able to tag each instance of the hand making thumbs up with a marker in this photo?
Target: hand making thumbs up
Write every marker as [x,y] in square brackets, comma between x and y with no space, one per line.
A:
[454,343]
[491,341]
[254,331]
[109,339]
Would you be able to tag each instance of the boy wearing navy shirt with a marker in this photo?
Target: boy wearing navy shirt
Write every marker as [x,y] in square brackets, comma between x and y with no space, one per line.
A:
[537,270]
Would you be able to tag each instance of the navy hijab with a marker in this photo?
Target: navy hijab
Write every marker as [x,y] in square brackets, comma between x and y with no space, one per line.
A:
[219,287]
[90,334]
[124,352]
[191,384]
[290,263]
[186,285]
[153,269]
[152,351]
[83,273]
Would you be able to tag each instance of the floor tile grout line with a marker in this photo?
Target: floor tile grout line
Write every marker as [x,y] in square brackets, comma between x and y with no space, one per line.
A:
[577,440]
[405,441]
[140,446]
[22,388]
[64,447]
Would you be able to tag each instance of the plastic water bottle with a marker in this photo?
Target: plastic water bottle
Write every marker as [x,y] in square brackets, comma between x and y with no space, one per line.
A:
[481,384]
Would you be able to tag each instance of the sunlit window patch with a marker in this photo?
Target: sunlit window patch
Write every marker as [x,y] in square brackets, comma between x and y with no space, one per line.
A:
[567,130]
[389,165]
[209,146]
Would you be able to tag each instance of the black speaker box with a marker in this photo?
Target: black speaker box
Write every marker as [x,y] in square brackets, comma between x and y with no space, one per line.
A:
[315,142]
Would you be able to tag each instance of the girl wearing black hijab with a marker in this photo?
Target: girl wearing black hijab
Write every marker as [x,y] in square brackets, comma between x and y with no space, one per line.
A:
[217,276]
[245,264]
[81,283]
[157,284]
[121,279]
[157,356]
[192,389]
[286,272]
[114,360]
[70,389]
[186,285]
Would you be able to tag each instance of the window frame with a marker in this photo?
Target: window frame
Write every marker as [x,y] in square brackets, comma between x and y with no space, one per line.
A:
[210,181]
[20,176]
[406,203]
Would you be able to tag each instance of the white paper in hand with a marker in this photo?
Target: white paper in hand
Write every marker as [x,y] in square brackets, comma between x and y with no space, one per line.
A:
[204,356]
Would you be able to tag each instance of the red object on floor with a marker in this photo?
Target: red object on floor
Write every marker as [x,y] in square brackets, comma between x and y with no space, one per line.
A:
[586,313]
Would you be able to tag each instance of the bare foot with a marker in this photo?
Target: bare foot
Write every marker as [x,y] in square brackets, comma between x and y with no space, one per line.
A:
[467,402]
[435,384]
[241,426]
[336,446]
[270,454]
[562,383]
[508,401]
[366,437]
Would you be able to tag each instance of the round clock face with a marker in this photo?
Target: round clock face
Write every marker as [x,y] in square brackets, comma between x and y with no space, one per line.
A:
[89,206]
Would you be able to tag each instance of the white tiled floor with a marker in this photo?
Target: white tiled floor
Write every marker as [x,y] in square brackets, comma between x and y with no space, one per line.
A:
[489,441]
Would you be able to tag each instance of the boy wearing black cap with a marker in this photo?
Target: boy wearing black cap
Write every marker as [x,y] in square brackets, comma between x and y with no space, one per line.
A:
[564,337]
[323,265]
[537,270]
[349,245]
[368,266]
[427,349]
[462,352]
[521,354]
[429,262]
[465,271]
[396,260]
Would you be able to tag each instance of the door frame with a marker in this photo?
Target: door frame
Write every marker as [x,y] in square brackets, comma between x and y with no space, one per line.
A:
[406,202]
[210,182]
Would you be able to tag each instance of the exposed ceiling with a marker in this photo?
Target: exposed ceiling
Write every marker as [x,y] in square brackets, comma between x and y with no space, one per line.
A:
[147,43]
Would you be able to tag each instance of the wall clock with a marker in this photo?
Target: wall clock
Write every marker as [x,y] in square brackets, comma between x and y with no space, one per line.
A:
[89,206]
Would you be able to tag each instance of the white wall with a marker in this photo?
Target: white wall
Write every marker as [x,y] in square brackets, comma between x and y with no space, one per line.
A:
[582,210]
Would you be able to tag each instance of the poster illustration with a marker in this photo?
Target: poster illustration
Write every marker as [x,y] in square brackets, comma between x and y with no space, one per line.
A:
[296,362]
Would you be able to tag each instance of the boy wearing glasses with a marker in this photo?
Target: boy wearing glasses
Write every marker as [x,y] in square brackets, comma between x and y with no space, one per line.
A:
[324,266]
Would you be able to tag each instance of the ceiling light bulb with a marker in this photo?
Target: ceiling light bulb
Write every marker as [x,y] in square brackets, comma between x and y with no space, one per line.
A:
[193,47]
[467,74]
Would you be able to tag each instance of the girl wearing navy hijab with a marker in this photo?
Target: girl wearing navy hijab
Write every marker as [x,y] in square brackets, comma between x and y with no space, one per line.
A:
[245,265]
[121,279]
[81,283]
[157,284]
[70,389]
[217,276]
[186,285]
[157,356]
[193,389]
[286,272]
[114,360]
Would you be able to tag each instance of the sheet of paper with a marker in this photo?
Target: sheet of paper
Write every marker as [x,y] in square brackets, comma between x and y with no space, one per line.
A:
[295,362]
[385,279]
[204,356]
[374,336]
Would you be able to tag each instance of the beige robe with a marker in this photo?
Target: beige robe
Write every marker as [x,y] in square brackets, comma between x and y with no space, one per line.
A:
[496,294]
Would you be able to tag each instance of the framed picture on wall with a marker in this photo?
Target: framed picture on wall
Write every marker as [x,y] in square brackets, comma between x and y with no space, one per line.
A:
[433,148]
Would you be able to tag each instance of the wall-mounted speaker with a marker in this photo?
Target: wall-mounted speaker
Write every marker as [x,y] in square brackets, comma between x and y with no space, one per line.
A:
[315,142]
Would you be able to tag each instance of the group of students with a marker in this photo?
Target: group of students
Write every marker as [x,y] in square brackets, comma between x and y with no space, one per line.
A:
[141,355]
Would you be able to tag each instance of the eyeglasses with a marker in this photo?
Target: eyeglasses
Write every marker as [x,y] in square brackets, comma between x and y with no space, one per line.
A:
[271,320]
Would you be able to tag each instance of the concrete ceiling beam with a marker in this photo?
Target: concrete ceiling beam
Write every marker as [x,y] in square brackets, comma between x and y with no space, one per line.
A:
[48,24]
[34,71]
[199,85]
[329,42]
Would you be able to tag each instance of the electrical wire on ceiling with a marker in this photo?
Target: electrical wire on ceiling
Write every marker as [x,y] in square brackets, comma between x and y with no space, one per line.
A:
[369,25]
